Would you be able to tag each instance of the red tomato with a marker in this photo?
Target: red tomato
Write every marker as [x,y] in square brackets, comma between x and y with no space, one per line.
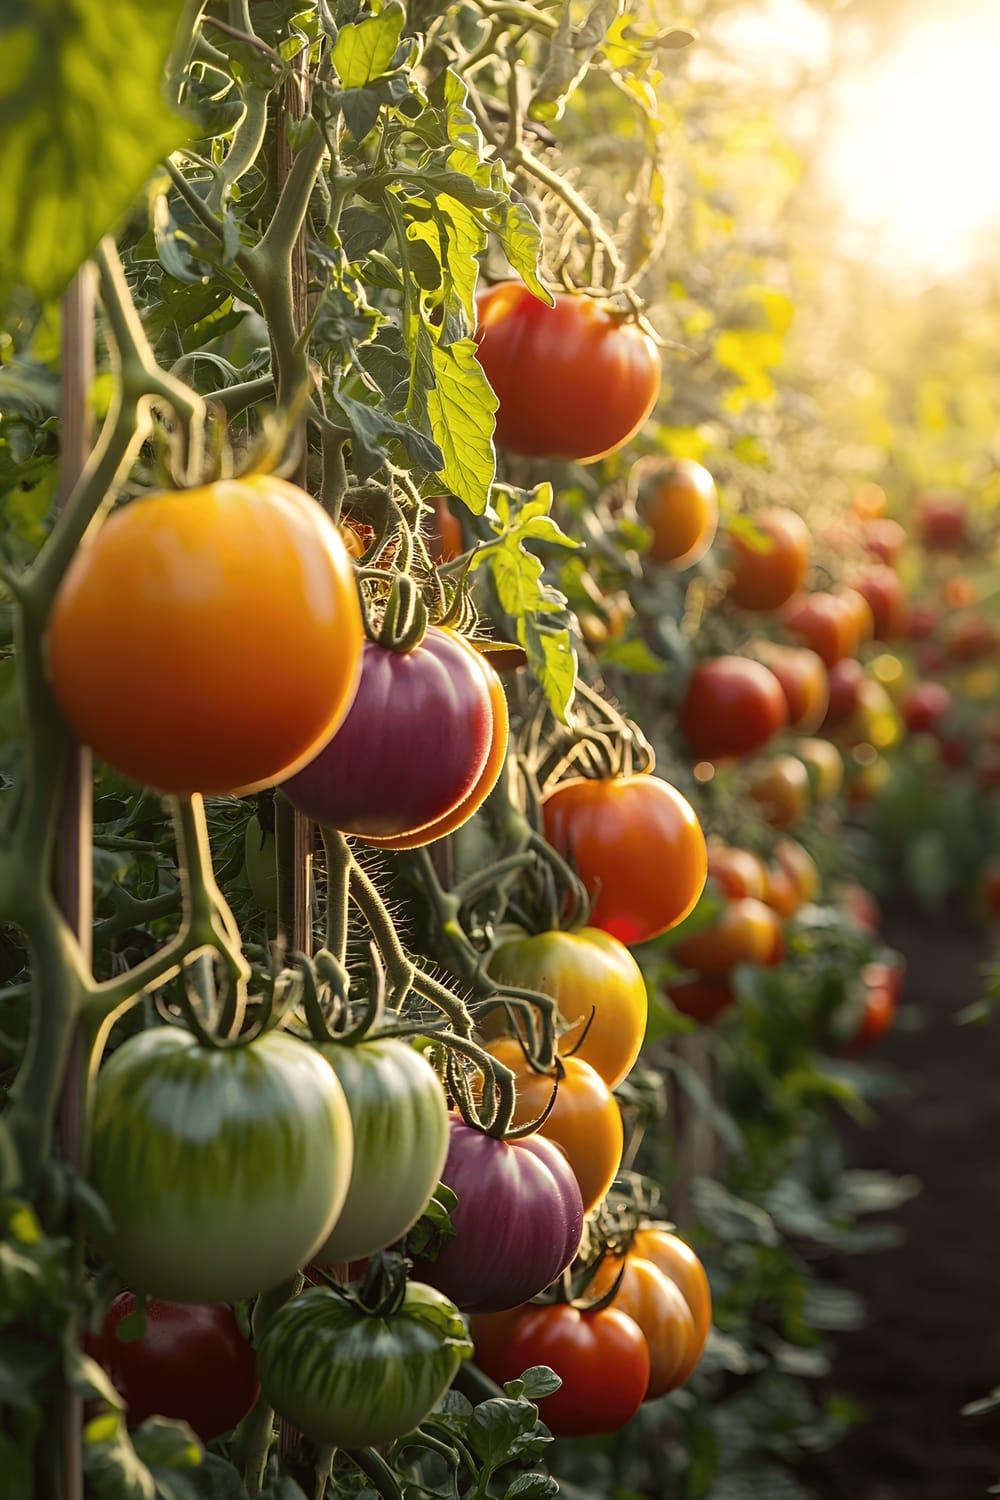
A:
[803,680]
[924,706]
[681,508]
[799,865]
[860,907]
[192,1363]
[208,640]
[737,871]
[747,932]
[767,579]
[731,706]
[657,1304]
[880,1007]
[781,788]
[415,743]
[882,587]
[574,381]
[825,623]
[971,638]
[702,999]
[922,621]
[943,521]
[846,678]
[636,845]
[601,1357]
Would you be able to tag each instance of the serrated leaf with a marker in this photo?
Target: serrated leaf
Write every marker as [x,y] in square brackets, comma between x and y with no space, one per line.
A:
[364,50]
[552,659]
[461,409]
[361,111]
[371,430]
[532,1487]
[521,239]
[83,122]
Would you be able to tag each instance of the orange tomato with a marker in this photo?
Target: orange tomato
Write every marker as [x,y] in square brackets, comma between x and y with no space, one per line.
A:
[800,867]
[209,640]
[671,1255]
[657,1304]
[747,932]
[824,622]
[824,765]
[737,871]
[585,1120]
[766,579]
[869,501]
[883,589]
[803,679]
[885,539]
[636,845]
[681,508]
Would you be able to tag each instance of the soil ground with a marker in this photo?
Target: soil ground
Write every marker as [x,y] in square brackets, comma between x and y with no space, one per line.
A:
[932,1342]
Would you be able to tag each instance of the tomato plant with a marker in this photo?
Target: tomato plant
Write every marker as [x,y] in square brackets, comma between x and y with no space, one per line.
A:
[731,706]
[602,1359]
[181,605]
[636,845]
[574,381]
[747,932]
[192,1363]
[597,985]
[703,1000]
[224,1169]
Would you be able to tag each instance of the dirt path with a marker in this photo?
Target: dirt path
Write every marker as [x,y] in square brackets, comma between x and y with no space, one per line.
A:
[933,1340]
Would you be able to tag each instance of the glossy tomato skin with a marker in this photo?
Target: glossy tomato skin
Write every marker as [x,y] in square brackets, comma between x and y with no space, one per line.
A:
[413,745]
[731,706]
[746,932]
[485,782]
[584,1121]
[223,1170]
[800,867]
[602,1359]
[676,1260]
[823,622]
[803,678]
[658,1306]
[574,381]
[517,1225]
[192,1364]
[767,579]
[178,626]
[636,845]
[597,986]
[400,1125]
[347,1378]
[680,505]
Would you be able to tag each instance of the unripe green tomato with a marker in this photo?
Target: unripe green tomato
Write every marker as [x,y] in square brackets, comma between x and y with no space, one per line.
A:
[261,865]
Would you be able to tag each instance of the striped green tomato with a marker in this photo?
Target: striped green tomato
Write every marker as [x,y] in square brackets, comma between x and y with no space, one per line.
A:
[223,1170]
[352,1378]
[400,1121]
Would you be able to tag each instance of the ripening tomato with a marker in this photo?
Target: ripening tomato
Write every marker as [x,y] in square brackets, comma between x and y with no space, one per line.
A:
[585,1120]
[781,788]
[658,1306]
[737,871]
[925,705]
[883,589]
[858,613]
[601,1357]
[746,932]
[885,539]
[574,381]
[444,531]
[597,986]
[192,1364]
[824,765]
[869,501]
[766,577]
[846,678]
[488,776]
[677,1261]
[680,506]
[825,623]
[731,706]
[701,999]
[942,521]
[414,745]
[922,621]
[208,640]
[803,679]
[970,638]
[354,535]
[637,846]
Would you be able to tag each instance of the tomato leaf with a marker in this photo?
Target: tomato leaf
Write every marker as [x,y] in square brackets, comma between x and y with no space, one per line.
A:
[461,407]
[537,1382]
[531,1487]
[365,50]
[83,122]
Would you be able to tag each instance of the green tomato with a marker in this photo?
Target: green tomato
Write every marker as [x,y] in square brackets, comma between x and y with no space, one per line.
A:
[260,863]
[352,1378]
[223,1170]
[400,1122]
